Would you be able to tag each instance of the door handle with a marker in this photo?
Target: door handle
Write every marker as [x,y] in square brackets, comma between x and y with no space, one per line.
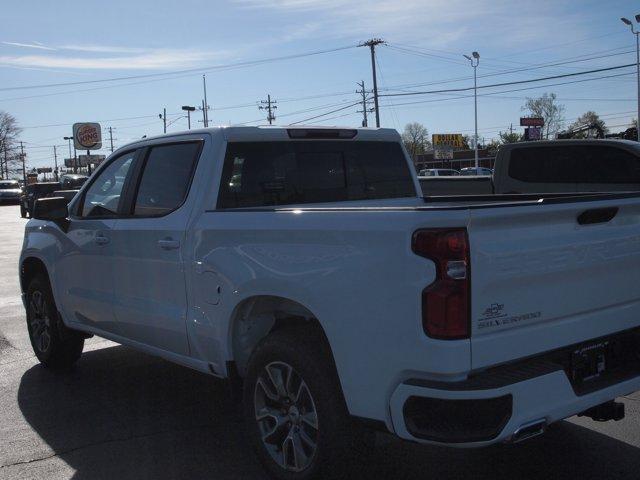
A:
[101,239]
[168,244]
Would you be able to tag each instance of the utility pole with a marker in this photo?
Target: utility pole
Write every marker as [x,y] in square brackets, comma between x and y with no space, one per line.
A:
[365,109]
[637,34]
[24,170]
[269,108]
[55,160]
[163,117]
[111,138]
[205,105]
[474,59]
[372,46]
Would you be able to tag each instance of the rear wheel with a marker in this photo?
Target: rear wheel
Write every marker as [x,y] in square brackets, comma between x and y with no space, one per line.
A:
[296,417]
[54,344]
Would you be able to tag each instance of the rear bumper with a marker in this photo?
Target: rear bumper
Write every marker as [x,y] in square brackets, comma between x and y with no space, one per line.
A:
[511,401]
[500,412]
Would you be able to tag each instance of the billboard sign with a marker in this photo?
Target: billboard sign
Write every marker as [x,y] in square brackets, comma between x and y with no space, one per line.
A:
[87,136]
[443,153]
[453,140]
[531,122]
[533,133]
[45,170]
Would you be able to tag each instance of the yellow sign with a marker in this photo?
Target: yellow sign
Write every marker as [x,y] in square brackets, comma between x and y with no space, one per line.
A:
[447,139]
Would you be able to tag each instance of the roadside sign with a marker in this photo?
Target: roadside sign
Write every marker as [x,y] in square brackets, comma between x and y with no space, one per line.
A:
[453,140]
[443,153]
[84,160]
[533,133]
[531,122]
[87,136]
[45,170]
[68,162]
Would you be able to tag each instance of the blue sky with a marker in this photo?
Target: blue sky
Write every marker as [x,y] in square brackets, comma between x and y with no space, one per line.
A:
[45,42]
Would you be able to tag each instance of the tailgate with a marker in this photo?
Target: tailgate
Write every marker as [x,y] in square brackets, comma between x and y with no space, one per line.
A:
[540,280]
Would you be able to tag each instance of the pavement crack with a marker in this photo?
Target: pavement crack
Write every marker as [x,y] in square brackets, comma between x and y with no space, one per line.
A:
[103,442]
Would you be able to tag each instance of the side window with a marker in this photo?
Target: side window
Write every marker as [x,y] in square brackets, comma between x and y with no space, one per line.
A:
[103,196]
[166,178]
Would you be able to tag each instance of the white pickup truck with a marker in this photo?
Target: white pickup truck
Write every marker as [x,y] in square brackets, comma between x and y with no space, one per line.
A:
[306,263]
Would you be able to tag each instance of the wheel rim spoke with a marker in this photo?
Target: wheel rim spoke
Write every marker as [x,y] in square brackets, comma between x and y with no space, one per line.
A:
[286,416]
[311,419]
[39,321]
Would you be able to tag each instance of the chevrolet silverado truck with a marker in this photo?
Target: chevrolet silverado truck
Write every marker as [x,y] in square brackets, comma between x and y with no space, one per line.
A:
[305,265]
[554,166]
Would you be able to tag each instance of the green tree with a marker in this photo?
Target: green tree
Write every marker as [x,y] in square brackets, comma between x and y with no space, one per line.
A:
[549,109]
[588,118]
[416,139]
[509,137]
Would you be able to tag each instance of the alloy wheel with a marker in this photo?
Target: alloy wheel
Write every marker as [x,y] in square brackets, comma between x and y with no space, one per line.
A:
[286,415]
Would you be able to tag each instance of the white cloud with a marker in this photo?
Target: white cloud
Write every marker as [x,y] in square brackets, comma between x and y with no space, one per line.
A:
[36,45]
[438,23]
[148,59]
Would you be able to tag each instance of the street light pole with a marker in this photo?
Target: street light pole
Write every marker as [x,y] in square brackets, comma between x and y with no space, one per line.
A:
[188,109]
[626,21]
[474,59]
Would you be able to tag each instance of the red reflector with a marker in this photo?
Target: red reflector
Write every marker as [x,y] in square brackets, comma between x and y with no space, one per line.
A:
[446,302]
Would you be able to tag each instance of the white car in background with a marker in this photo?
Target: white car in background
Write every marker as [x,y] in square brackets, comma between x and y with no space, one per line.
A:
[10,191]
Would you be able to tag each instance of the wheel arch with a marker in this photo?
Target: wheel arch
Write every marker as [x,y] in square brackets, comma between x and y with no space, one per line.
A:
[256,317]
[31,266]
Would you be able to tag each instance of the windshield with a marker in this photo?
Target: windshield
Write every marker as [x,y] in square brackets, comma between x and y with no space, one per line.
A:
[9,185]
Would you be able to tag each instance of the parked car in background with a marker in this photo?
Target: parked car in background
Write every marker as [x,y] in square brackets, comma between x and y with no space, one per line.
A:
[34,191]
[72,181]
[10,191]
[323,281]
[480,171]
[554,166]
[438,172]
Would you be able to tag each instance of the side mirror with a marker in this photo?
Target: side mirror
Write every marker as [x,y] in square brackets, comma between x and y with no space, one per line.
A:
[53,209]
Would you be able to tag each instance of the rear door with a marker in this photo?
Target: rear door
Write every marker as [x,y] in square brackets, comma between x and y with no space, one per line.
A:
[148,246]
[548,276]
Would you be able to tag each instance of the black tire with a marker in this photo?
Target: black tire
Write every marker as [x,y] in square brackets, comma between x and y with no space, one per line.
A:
[336,436]
[54,344]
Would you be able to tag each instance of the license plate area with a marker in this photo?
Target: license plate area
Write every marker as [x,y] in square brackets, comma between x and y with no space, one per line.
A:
[589,362]
[602,362]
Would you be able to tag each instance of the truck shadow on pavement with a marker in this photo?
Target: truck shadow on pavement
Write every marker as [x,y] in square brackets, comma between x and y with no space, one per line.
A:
[126,415]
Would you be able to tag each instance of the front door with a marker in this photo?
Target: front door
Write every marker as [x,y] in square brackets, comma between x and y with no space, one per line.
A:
[150,291]
[84,273]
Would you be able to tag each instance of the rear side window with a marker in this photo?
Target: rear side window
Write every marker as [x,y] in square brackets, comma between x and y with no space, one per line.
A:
[166,178]
[574,164]
[280,173]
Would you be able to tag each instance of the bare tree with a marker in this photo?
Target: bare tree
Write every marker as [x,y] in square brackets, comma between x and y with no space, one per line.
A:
[548,108]
[9,132]
[588,118]
[415,138]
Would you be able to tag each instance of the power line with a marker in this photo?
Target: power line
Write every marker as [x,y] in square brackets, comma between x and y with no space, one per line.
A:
[514,82]
[325,114]
[189,70]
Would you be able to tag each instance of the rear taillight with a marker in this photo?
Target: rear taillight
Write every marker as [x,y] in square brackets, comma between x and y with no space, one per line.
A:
[446,301]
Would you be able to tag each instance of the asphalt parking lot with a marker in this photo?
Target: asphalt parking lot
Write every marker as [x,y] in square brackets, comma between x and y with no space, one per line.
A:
[126,415]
